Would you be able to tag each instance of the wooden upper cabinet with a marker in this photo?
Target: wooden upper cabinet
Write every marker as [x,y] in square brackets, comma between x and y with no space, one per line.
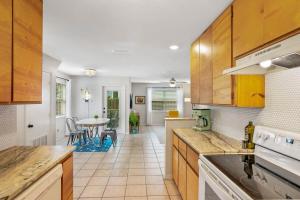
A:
[247,25]
[5,50]
[27,50]
[205,49]
[280,18]
[195,73]
[259,22]
[222,58]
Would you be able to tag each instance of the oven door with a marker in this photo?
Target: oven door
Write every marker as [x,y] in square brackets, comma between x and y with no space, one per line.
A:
[211,187]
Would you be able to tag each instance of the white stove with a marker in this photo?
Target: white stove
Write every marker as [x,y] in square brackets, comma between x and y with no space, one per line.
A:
[271,172]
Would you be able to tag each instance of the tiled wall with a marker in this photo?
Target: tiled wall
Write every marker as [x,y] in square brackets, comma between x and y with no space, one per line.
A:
[282,108]
[8,126]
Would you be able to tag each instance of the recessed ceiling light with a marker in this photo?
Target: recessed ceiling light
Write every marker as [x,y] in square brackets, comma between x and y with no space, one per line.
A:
[265,64]
[120,51]
[174,47]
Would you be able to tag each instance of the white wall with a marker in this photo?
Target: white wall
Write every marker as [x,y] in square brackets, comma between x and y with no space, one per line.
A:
[95,86]
[282,108]
[140,89]
[12,117]
[61,130]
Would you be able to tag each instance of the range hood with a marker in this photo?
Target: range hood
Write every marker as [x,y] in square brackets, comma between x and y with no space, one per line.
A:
[280,56]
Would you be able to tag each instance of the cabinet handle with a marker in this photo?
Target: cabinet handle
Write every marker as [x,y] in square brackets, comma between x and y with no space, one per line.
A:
[30,126]
[258,94]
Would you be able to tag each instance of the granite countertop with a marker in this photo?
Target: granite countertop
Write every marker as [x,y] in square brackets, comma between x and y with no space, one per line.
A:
[20,166]
[209,142]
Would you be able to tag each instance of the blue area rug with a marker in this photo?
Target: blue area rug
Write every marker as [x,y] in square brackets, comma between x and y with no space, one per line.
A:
[93,146]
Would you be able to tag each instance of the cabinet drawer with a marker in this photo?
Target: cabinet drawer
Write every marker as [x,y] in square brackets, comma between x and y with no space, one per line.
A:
[182,148]
[175,141]
[192,159]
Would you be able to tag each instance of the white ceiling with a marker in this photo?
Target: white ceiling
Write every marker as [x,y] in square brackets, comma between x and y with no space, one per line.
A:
[83,33]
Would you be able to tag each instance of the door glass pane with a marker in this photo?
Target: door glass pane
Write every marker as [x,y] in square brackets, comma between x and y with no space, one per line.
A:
[113,108]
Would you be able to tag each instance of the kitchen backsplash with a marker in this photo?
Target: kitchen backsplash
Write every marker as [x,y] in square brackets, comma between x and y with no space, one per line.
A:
[282,108]
[8,126]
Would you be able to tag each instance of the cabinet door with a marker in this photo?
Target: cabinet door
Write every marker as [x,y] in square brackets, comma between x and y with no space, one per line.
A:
[193,181]
[27,50]
[195,73]
[175,165]
[5,50]
[250,91]
[247,25]
[67,179]
[280,18]
[222,59]
[206,67]
[182,177]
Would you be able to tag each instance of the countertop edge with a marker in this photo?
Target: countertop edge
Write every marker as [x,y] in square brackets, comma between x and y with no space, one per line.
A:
[68,151]
[220,136]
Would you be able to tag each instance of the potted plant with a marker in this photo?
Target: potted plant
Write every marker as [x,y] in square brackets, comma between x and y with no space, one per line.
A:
[96,116]
[133,122]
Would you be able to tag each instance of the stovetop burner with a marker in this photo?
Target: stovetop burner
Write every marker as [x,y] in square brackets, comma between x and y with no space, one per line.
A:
[259,178]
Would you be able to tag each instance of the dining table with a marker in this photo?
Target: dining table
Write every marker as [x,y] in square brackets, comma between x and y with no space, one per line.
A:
[92,123]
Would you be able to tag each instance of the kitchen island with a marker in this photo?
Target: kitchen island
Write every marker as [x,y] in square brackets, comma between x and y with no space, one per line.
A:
[22,166]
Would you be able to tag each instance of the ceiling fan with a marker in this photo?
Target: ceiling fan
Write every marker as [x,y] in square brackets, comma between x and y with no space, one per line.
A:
[173,82]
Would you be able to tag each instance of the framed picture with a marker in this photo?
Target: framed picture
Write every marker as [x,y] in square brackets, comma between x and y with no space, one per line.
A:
[140,99]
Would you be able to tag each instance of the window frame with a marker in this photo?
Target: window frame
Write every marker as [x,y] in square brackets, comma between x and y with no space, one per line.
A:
[62,100]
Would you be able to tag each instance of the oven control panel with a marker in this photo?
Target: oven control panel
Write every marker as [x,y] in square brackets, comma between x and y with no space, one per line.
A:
[282,141]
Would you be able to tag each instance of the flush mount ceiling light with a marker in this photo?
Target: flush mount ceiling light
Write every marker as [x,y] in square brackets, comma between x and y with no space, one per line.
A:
[265,64]
[174,47]
[90,72]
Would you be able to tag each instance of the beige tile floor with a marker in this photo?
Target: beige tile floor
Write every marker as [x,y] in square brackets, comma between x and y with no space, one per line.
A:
[131,171]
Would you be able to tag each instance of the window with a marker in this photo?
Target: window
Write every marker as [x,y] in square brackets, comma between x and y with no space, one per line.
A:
[60,99]
[164,99]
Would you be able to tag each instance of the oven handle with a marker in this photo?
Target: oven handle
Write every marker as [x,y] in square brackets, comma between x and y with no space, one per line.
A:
[220,188]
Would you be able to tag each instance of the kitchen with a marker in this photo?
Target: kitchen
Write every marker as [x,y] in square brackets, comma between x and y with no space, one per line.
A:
[243,68]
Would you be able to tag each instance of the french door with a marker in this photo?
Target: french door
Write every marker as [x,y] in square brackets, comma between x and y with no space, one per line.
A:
[114,107]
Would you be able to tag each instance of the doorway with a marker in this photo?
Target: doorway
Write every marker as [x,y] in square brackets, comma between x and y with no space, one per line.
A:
[114,106]
[37,117]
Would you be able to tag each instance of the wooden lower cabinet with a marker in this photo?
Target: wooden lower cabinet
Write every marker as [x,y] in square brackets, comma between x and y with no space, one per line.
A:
[175,164]
[185,171]
[182,176]
[67,179]
[192,181]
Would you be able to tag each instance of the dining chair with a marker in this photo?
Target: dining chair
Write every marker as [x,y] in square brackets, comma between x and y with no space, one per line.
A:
[75,132]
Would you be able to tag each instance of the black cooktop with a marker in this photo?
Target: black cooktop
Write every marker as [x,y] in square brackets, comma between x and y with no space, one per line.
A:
[257,177]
